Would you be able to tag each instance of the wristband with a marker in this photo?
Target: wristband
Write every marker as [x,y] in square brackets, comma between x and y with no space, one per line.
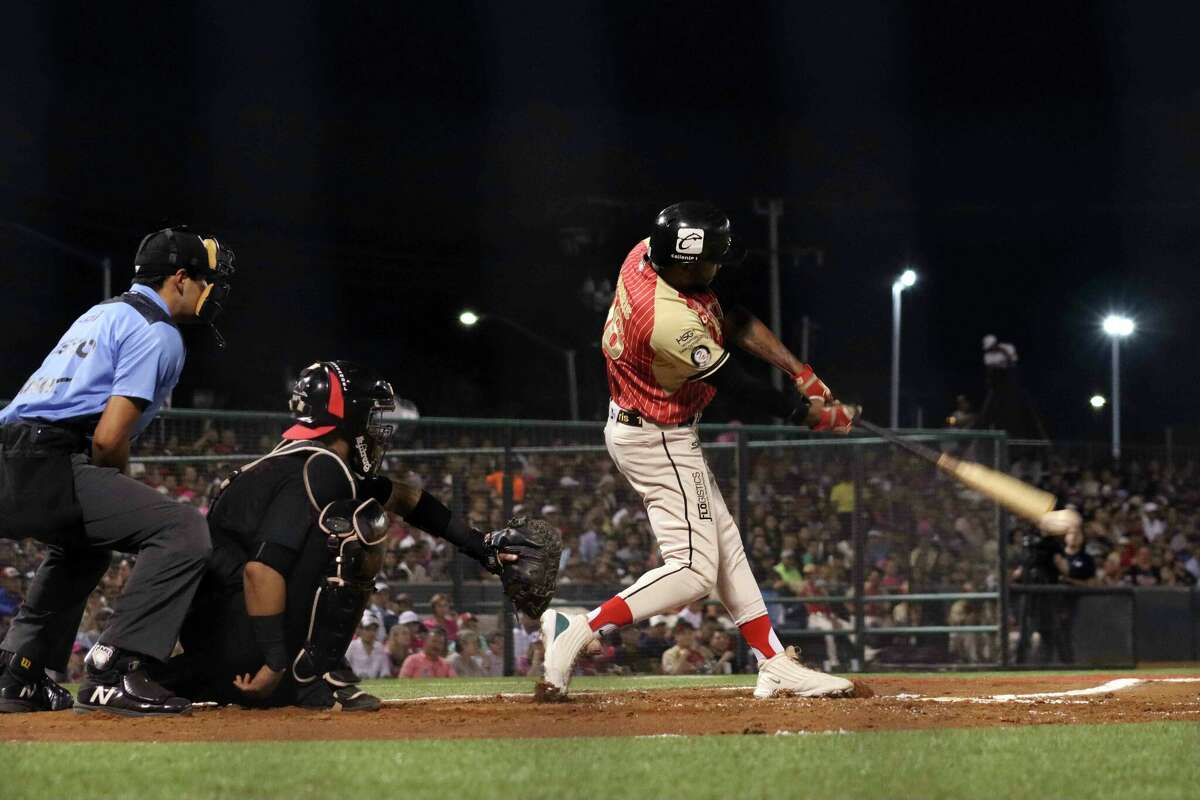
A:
[268,632]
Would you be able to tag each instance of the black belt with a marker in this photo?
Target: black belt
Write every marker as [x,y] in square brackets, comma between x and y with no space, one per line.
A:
[634,419]
[52,435]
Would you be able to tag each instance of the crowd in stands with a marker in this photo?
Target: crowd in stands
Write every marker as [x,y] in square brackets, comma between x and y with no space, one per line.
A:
[922,533]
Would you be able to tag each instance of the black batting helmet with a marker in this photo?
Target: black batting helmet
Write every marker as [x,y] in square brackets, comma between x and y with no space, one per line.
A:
[348,398]
[689,233]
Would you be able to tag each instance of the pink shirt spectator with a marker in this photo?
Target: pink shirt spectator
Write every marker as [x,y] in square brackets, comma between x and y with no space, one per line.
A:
[419,665]
[449,625]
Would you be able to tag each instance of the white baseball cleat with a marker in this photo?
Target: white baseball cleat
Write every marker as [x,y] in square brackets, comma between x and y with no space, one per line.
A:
[564,639]
[783,672]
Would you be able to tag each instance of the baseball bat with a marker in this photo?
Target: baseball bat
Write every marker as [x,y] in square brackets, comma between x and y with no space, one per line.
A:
[1017,496]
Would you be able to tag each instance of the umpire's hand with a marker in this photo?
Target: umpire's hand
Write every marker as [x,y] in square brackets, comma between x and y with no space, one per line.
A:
[262,685]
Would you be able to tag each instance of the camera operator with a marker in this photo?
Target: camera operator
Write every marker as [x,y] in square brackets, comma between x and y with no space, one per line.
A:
[1039,611]
[1075,568]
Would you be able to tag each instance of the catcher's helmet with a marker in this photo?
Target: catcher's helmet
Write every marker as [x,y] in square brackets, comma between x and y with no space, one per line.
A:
[350,399]
[689,233]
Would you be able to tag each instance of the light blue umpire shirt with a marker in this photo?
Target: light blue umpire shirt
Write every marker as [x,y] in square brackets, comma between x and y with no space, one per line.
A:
[125,346]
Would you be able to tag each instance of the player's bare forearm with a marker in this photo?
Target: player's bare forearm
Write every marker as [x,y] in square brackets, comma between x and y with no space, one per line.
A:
[110,440]
[750,334]
[265,590]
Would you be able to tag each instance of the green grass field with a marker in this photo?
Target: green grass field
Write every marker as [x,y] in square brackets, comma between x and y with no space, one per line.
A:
[1157,760]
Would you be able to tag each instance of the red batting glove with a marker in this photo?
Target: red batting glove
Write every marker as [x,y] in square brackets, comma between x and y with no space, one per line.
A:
[837,418]
[809,385]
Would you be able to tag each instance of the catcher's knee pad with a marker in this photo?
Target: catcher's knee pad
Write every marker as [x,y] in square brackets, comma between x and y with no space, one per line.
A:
[356,532]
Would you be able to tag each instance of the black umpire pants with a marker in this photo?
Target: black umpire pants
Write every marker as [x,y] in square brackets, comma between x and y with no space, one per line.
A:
[115,512]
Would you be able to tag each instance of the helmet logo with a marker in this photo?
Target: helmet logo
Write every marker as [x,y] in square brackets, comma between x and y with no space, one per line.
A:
[364,454]
[689,241]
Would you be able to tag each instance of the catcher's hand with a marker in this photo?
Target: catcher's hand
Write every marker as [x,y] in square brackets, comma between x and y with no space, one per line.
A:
[530,579]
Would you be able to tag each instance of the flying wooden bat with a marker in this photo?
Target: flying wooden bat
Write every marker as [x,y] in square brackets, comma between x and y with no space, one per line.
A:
[1019,497]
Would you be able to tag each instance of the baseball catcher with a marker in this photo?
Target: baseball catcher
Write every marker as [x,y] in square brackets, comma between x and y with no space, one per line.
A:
[298,538]
[665,348]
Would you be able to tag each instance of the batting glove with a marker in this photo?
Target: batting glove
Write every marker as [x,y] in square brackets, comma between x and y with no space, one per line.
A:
[809,385]
[837,418]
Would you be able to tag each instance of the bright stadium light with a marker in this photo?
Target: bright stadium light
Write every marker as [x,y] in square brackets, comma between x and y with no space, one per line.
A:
[1097,401]
[469,319]
[1117,325]
[905,281]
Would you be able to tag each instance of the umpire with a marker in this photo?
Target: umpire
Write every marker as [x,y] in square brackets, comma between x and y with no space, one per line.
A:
[64,448]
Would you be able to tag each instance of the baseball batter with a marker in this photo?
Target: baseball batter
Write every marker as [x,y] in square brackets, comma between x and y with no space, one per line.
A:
[665,347]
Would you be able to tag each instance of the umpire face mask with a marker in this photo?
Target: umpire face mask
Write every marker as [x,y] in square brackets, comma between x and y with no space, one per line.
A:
[216,294]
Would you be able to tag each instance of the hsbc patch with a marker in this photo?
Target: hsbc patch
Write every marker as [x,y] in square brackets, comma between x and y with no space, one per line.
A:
[701,356]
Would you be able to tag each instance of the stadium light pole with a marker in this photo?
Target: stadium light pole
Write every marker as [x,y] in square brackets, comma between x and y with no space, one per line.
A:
[469,319]
[1117,327]
[905,281]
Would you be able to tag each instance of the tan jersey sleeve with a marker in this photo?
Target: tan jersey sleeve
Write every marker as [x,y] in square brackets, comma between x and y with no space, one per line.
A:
[684,349]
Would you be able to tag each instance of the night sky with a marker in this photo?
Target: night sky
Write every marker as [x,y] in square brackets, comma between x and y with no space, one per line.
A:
[376,172]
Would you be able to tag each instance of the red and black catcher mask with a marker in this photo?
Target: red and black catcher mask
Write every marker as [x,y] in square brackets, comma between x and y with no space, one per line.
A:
[348,398]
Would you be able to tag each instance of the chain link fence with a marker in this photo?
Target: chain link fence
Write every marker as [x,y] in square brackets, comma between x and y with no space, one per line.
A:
[824,520]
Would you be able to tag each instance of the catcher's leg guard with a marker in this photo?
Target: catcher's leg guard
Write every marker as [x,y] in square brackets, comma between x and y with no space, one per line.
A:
[335,616]
[322,677]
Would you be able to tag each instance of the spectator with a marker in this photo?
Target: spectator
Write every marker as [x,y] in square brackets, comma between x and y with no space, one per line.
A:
[693,613]
[629,657]
[368,658]
[1111,574]
[684,658]
[467,660]
[494,657]
[469,623]
[655,641]
[723,660]
[532,664]
[412,621]
[411,569]
[526,630]
[841,497]
[399,647]
[442,617]
[1074,565]
[378,606]
[10,591]
[430,662]
[968,647]
[1142,571]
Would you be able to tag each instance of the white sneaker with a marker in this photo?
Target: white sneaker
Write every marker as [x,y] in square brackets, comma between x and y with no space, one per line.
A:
[564,639]
[783,672]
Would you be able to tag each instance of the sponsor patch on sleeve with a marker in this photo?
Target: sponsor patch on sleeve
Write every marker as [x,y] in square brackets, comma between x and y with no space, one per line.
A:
[701,356]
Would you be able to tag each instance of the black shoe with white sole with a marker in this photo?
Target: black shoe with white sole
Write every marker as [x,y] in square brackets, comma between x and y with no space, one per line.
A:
[117,683]
[20,696]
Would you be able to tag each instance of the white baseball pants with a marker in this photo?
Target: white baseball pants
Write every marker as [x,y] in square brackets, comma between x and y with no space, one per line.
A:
[700,543]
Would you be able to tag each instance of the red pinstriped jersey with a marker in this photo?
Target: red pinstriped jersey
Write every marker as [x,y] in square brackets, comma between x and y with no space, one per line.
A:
[660,343]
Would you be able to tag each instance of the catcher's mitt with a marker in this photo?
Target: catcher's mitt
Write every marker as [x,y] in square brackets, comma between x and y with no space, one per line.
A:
[530,580]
